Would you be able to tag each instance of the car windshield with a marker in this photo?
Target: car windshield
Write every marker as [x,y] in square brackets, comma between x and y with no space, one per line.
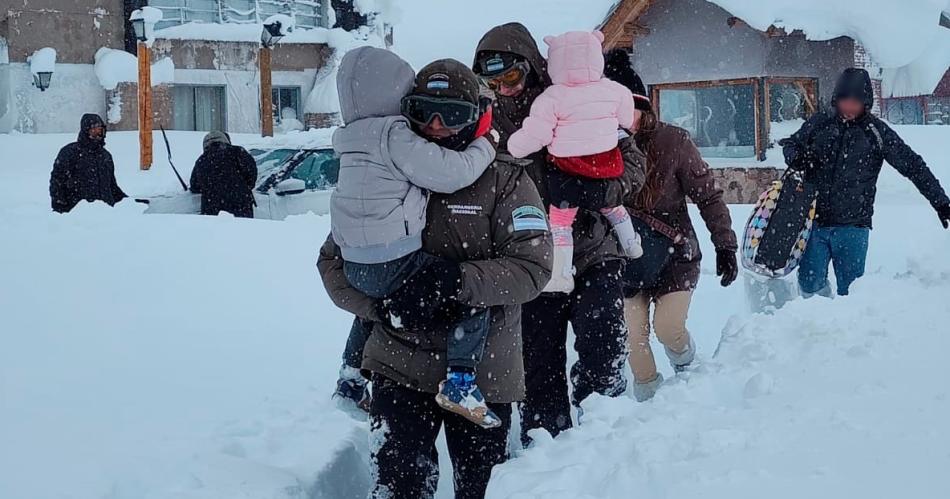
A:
[271,160]
[320,169]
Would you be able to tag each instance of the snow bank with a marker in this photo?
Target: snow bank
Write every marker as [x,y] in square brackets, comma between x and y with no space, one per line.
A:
[136,381]
[823,399]
[186,357]
[317,138]
[118,66]
[904,37]
[43,61]
[428,30]
[250,33]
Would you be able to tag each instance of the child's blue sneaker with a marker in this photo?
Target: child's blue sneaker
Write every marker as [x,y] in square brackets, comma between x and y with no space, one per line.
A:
[459,394]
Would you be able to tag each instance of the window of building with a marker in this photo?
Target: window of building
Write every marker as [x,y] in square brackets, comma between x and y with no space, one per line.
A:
[938,111]
[199,108]
[731,118]
[285,98]
[307,13]
[791,99]
[720,116]
[928,110]
[904,111]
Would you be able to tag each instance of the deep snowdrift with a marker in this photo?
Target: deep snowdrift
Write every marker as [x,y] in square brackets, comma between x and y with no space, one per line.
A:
[843,398]
[185,357]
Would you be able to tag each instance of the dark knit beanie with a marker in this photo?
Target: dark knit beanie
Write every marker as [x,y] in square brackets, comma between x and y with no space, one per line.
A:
[448,79]
[619,69]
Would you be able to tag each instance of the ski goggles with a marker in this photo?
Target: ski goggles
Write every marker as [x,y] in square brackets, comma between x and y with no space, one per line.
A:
[454,114]
[514,76]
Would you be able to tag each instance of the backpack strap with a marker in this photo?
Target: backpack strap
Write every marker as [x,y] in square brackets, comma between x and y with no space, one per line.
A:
[660,226]
[877,135]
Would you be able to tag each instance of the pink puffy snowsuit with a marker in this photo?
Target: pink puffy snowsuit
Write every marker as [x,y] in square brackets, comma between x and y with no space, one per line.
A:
[579,115]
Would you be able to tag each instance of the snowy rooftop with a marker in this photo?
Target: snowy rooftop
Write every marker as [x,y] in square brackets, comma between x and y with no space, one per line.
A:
[903,37]
[237,33]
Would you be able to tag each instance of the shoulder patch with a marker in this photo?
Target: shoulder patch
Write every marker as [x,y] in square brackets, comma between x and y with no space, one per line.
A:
[529,217]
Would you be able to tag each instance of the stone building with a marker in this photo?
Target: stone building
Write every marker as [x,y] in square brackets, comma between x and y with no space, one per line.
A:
[216,81]
[736,89]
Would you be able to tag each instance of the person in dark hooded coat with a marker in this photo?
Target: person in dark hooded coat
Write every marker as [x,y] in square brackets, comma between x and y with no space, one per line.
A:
[508,58]
[842,151]
[225,176]
[84,170]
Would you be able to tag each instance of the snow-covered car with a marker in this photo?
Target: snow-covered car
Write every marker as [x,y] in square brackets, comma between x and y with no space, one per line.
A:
[289,182]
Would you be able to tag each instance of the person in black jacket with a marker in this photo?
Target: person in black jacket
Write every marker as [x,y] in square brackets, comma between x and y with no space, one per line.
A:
[842,151]
[225,176]
[84,170]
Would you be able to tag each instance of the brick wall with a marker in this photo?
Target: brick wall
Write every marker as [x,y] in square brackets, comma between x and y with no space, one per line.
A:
[322,120]
[127,94]
[75,28]
[863,60]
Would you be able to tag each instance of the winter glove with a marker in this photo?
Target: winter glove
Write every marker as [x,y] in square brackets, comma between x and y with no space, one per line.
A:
[944,213]
[727,266]
[426,301]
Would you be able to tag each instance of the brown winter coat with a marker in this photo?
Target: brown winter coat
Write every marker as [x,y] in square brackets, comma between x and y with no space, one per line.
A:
[594,240]
[675,171]
[502,267]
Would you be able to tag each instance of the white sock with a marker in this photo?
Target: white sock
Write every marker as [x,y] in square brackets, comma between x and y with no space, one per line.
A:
[622,224]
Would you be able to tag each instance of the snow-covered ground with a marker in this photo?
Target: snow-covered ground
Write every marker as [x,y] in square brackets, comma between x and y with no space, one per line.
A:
[186,357]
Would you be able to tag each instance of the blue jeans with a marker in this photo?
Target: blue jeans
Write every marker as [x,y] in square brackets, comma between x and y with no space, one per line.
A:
[466,341]
[846,247]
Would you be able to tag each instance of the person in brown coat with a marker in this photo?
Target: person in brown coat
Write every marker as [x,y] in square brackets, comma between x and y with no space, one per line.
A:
[507,57]
[495,233]
[675,171]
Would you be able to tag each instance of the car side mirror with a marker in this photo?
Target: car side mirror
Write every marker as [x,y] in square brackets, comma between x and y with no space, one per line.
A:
[290,186]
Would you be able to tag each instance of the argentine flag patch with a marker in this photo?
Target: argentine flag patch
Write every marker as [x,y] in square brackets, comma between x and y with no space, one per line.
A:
[529,218]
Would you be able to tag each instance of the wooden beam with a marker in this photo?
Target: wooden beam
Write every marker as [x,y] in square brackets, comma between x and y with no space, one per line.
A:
[145,107]
[625,14]
[267,104]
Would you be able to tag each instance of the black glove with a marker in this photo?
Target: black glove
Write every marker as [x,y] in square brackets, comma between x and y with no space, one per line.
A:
[426,301]
[944,213]
[727,266]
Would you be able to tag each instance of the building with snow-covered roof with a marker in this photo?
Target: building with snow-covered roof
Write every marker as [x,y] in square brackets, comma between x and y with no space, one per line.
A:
[741,74]
[921,107]
[721,79]
[205,52]
[75,30]
[919,93]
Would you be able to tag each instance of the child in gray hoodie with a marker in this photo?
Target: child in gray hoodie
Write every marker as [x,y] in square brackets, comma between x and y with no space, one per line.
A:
[378,210]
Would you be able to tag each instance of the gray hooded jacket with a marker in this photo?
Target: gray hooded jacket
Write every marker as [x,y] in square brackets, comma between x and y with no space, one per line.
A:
[378,211]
